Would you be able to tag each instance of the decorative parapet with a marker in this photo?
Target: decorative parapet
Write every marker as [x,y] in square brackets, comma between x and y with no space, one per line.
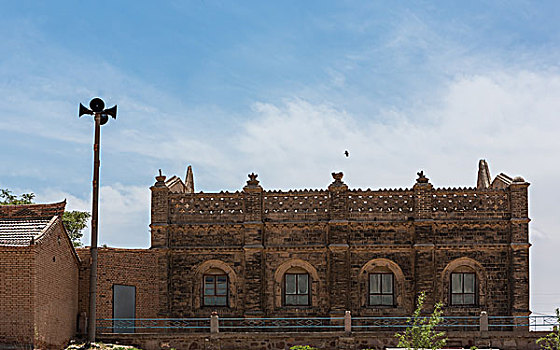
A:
[338,203]
[470,203]
[380,205]
[296,205]
[206,207]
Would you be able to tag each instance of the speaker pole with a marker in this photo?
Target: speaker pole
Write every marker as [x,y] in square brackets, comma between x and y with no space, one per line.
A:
[100,117]
[94,231]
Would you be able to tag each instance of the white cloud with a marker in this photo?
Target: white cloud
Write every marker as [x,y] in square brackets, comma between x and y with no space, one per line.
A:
[50,195]
[124,213]
[508,118]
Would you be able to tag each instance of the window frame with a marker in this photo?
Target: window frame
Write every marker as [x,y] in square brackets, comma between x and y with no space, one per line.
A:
[284,287]
[215,295]
[381,294]
[463,293]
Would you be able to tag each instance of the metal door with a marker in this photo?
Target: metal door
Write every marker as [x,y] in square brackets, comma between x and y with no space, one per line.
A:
[124,307]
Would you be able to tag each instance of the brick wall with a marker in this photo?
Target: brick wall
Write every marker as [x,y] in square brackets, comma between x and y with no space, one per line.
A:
[133,267]
[55,288]
[16,295]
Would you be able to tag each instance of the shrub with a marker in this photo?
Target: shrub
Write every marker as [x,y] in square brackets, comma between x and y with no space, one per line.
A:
[422,334]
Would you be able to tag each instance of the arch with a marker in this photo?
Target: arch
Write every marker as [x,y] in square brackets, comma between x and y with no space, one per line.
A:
[380,265]
[279,278]
[458,263]
[209,265]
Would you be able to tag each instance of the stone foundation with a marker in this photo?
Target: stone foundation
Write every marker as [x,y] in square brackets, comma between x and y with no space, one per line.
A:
[322,341]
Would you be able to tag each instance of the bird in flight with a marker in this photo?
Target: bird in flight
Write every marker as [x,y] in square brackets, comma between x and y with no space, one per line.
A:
[346,153]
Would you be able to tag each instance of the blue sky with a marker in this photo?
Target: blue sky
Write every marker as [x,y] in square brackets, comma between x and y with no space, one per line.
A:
[282,89]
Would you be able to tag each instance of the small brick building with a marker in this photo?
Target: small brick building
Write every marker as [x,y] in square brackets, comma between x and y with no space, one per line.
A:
[38,277]
[321,252]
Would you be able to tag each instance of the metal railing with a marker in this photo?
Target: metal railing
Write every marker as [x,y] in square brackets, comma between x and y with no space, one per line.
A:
[534,323]
[147,325]
[284,324]
[215,324]
[389,323]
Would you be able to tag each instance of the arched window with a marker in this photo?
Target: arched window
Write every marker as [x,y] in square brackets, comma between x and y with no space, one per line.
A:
[215,288]
[381,284]
[463,283]
[463,286]
[296,287]
[296,284]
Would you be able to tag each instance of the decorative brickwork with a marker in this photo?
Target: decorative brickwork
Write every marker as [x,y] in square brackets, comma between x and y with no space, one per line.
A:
[340,235]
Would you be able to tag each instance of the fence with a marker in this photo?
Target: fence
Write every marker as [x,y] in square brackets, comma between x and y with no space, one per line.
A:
[215,324]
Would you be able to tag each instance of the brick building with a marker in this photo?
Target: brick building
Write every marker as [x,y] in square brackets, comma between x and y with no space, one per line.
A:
[268,253]
[321,252]
[38,277]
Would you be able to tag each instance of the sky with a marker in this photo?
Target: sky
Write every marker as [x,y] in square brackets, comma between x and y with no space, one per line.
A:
[282,88]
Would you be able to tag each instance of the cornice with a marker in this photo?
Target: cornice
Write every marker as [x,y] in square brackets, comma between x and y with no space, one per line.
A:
[337,247]
[520,220]
[521,245]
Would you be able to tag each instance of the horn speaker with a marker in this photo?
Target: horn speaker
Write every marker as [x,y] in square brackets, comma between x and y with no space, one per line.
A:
[84,110]
[111,111]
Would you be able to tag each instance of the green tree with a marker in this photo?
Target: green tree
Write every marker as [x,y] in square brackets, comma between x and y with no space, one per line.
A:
[552,339]
[74,221]
[421,333]
[7,198]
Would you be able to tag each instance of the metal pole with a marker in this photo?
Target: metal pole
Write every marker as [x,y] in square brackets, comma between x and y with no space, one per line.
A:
[94,221]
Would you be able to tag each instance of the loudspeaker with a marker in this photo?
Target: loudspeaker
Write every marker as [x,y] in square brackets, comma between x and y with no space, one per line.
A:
[111,111]
[103,118]
[97,105]
[84,110]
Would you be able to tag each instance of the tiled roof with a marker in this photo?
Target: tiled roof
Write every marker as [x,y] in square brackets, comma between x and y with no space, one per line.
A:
[32,211]
[19,232]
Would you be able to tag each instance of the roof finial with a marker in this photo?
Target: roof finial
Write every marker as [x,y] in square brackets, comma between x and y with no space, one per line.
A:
[253,180]
[160,179]
[337,177]
[422,179]
[337,184]
[483,180]
[189,180]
